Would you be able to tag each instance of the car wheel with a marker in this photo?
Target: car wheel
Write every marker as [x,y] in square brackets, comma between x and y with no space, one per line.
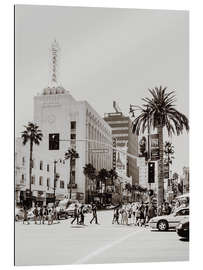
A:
[162,225]
[17,218]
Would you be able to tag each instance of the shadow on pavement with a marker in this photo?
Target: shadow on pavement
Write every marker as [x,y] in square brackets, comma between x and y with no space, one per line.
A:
[184,239]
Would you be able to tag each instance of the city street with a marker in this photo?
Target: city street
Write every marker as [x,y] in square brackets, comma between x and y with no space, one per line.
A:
[106,243]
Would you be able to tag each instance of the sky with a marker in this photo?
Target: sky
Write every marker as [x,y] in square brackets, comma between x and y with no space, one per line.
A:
[106,54]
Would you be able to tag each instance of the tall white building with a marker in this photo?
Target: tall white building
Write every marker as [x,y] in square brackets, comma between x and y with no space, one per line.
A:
[78,126]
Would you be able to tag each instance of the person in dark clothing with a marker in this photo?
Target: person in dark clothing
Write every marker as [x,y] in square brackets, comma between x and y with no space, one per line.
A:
[76,215]
[94,212]
[82,216]
[35,212]
[41,215]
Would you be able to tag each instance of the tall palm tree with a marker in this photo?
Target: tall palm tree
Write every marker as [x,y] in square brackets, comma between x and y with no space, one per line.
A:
[33,135]
[159,112]
[103,175]
[90,172]
[71,154]
[113,175]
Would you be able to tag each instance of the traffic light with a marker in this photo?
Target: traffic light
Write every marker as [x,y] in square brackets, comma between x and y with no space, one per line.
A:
[151,172]
[54,141]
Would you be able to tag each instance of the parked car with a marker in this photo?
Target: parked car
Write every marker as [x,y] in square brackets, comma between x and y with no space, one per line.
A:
[19,213]
[183,228]
[164,223]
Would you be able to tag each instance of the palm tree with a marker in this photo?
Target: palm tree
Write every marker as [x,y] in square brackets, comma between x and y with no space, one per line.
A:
[159,112]
[103,175]
[168,152]
[90,172]
[33,135]
[72,155]
[113,175]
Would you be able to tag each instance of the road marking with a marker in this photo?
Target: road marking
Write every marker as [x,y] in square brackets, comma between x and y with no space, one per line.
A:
[104,248]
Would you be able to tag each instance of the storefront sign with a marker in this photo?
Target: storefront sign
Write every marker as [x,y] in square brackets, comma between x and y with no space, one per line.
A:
[154,146]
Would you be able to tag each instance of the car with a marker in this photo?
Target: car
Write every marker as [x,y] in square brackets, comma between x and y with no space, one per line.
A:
[19,213]
[70,210]
[164,223]
[183,228]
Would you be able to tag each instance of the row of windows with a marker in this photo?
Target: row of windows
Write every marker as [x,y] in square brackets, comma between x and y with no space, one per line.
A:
[48,182]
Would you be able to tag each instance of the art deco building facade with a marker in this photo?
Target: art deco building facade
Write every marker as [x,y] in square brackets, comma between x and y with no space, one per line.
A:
[78,126]
[126,142]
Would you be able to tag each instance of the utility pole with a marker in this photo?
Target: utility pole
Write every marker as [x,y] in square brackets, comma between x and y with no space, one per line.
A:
[55,182]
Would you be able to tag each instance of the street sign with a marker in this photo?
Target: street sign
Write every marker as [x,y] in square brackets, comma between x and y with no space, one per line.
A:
[101,151]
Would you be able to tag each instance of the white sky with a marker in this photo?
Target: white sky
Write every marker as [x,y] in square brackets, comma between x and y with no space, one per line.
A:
[106,55]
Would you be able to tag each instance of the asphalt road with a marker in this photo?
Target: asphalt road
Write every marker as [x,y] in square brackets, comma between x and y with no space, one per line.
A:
[106,243]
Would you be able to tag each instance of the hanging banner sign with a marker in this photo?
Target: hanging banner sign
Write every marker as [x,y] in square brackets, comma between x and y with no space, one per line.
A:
[154,146]
[114,154]
[166,171]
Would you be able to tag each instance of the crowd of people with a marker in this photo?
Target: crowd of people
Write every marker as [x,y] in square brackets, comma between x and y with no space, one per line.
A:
[40,215]
[136,213]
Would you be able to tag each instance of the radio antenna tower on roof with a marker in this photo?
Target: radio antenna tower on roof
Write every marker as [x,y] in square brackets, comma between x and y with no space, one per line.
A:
[54,58]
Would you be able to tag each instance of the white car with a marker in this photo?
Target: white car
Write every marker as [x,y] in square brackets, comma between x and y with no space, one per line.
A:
[163,223]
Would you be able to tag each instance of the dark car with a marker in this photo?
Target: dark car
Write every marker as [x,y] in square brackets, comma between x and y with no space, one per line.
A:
[183,228]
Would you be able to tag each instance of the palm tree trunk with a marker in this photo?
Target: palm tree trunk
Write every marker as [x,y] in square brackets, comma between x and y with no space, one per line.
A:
[160,168]
[30,171]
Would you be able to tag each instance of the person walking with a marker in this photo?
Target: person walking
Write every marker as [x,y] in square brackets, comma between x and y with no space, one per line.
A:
[25,218]
[44,214]
[40,215]
[35,212]
[82,216]
[94,212]
[116,215]
[76,215]
[50,218]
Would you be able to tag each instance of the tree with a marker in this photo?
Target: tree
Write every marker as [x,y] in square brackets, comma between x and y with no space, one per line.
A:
[159,112]
[33,135]
[103,175]
[90,172]
[72,155]
[113,175]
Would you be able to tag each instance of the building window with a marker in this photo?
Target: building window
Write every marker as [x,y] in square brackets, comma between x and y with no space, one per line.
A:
[41,165]
[33,164]
[33,180]
[61,184]
[73,125]
[23,161]
[40,180]
[48,182]
[47,167]
[22,178]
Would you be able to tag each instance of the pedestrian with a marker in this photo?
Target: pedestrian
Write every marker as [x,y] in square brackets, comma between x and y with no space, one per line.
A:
[151,211]
[50,218]
[116,215]
[133,213]
[25,218]
[82,216]
[35,212]
[94,212]
[76,215]
[40,215]
[125,216]
[44,214]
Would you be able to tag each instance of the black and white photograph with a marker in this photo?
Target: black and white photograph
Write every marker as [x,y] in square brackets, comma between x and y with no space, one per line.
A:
[102,129]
